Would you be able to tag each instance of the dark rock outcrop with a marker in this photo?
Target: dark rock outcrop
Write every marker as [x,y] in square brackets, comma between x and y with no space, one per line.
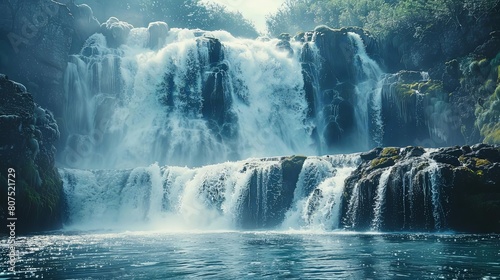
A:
[36,40]
[331,70]
[29,134]
[417,111]
[455,188]
[270,193]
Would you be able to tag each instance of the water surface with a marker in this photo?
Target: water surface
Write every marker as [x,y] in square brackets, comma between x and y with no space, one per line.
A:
[255,255]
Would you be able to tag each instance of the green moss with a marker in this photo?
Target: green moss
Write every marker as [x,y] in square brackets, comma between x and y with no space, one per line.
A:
[33,199]
[377,162]
[479,173]
[293,161]
[462,158]
[482,162]
[496,61]
[474,67]
[405,90]
[389,152]
[431,87]
[496,93]
[489,85]
[491,133]
[382,162]
[498,73]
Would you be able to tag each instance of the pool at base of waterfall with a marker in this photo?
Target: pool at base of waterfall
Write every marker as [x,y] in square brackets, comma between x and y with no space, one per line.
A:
[253,255]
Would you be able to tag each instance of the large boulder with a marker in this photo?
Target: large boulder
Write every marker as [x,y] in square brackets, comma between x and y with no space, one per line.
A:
[115,31]
[157,32]
[29,133]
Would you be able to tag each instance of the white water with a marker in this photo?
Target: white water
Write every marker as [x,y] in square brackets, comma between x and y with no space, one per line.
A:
[435,189]
[378,207]
[368,89]
[317,197]
[132,106]
[210,197]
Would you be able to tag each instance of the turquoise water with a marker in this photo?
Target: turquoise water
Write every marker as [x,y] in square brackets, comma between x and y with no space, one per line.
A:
[254,255]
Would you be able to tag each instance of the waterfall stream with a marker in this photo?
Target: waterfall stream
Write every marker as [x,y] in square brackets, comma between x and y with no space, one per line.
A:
[228,110]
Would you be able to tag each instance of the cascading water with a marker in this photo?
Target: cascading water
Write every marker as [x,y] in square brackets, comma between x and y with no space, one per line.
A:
[318,195]
[404,196]
[312,64]
[248,194]
[368,95]
[207,97]
[191,102]
[380,200]
[438,214]
[200,98]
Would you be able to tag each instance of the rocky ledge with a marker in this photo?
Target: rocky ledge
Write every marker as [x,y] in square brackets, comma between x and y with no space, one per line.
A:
[453,188]
[28,135]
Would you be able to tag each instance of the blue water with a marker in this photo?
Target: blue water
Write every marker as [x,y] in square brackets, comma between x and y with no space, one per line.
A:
[254,255]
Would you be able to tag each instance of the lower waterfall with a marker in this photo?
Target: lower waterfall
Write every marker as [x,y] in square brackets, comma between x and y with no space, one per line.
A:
[245,194]
[297,193]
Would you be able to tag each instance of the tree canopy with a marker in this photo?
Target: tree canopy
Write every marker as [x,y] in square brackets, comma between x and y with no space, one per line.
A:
[379,16]
[176,13]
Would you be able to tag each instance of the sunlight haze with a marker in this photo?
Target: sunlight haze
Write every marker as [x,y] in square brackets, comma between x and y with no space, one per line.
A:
[255,11]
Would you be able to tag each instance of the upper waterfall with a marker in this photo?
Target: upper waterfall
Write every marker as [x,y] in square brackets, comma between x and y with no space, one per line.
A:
[200,97]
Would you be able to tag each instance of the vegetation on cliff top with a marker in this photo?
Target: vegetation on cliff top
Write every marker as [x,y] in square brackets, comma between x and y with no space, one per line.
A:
[176,13]
[378,16]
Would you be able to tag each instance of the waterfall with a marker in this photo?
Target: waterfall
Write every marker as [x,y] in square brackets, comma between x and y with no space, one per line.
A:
[318,195]
[380,200]
[260,194]
[368,95]
[436,184]
[201,98]
[205,97]
[405,196]
[193,132]
[246,194]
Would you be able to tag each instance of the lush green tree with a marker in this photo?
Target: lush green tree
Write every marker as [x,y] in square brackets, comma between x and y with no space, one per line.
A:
[379,16]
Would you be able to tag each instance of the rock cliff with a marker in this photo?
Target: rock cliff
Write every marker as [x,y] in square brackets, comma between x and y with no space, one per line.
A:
[29,133]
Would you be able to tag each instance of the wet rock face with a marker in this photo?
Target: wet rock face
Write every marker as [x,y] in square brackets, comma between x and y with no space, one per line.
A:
[158,32]
[454,188]
[29,133]
[115,31]
[417,110]
[330,67]
[39,36]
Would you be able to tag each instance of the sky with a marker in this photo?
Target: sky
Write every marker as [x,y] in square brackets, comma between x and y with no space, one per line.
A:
[254,10]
